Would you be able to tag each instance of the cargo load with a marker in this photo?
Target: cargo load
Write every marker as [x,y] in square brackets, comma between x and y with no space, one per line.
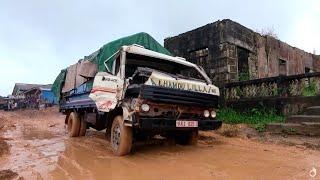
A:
[85,69]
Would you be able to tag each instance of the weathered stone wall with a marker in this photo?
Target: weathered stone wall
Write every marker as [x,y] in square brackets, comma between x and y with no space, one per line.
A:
[226,68]
[316,63]
[222,39]
[206,37]
[270,50]
[266,50]
[237,34]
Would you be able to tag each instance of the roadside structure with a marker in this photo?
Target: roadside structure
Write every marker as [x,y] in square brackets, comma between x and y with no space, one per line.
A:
[3,102]
[40,97]
[31,96]
[11,103]
[20,88]
[229,52]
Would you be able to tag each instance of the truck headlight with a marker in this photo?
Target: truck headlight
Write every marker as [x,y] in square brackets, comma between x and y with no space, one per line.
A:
[206,113]
[145,107]
[213,114]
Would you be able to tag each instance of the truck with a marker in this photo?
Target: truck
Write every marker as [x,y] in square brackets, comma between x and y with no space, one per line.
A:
[136,90]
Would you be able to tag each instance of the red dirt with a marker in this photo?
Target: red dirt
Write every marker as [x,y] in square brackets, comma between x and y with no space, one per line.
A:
[41,149]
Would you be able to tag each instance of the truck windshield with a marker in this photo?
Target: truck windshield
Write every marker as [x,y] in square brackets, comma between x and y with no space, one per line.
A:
[134,61]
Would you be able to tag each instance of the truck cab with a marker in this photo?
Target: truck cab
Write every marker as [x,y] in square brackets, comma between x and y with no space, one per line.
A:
[144,93]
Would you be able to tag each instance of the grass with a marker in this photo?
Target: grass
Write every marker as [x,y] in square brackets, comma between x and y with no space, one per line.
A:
[310,90]
[255,117]
[244,76]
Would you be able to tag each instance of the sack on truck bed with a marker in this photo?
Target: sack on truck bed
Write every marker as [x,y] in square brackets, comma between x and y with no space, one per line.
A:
[87,69]
[70,81]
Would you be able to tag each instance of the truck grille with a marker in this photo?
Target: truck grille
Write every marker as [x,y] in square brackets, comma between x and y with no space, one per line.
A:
[175,96]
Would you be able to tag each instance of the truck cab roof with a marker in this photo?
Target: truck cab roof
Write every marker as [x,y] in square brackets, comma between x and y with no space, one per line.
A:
[137,49]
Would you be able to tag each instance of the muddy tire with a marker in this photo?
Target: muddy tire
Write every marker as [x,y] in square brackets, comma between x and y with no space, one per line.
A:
[121,137]
[73,124]
[66,119]
[83,127]
[108,131]
[187,138]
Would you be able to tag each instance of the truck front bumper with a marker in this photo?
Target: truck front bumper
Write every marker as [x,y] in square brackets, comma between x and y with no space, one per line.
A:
[170,124]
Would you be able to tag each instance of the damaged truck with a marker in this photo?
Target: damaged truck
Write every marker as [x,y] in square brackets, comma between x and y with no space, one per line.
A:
[135,89]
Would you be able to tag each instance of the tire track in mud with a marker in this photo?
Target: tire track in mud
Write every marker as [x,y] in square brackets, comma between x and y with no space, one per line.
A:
[41,149]
[34,149]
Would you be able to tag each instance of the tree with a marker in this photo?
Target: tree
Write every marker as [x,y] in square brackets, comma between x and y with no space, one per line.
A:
[270,31]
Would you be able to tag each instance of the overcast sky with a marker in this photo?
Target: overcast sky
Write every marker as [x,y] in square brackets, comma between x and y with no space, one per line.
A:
[38,38]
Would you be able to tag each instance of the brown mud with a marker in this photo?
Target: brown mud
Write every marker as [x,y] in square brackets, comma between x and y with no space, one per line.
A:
[38,148]
[8,174]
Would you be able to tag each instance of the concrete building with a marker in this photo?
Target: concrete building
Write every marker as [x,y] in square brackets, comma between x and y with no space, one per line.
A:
[231,52]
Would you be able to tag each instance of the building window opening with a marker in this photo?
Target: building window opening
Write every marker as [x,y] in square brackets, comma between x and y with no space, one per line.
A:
[307,70]
[243,65]
[200,57]
[282,67]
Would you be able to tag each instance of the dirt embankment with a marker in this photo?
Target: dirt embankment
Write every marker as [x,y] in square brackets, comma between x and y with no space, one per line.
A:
[40,149]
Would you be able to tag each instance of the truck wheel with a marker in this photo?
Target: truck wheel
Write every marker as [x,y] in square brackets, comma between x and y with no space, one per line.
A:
[73,125]
[83,127]
[66,119]
[121,137]
[187,138]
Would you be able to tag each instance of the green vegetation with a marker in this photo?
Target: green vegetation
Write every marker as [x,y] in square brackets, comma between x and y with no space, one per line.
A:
[275,91]
[244,76]
[310,90]
[255,117]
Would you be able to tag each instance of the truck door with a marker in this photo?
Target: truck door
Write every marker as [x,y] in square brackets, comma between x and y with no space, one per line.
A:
[107,88]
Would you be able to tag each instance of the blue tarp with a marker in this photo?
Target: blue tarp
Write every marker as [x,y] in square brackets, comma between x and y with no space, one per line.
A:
[48,97]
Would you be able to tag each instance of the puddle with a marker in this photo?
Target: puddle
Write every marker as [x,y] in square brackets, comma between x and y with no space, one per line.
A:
[33,134]
[41,151]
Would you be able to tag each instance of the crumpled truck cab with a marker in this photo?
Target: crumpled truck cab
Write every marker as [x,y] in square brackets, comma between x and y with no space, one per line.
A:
[141,95]
[158,94]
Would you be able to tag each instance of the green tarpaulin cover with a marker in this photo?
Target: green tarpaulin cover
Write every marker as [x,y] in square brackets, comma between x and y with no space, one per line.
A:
[110,49]
[58,83]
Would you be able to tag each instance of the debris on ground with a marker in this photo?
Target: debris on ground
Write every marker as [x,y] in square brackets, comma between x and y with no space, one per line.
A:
[4,147]
[8,174]
[52,125]
[229,130]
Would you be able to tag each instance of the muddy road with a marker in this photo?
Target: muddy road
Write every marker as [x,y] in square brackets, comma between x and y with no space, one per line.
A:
[38,148]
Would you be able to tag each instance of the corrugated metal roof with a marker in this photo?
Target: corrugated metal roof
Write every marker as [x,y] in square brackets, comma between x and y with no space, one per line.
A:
[26,87]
